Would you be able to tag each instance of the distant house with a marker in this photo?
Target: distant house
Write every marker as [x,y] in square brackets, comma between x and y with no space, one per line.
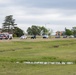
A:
[60,33]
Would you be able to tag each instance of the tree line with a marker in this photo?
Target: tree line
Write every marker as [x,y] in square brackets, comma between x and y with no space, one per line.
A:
[10,26]
[70,31]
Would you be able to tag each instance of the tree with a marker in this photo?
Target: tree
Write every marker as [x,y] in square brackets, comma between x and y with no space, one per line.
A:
[50,31]
[9,24]
[37,30]
[68,32]
[33,30]
[44,30]
[18,32]
[74,31]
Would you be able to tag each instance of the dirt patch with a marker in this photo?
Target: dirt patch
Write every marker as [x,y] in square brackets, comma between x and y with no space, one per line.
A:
[56,46]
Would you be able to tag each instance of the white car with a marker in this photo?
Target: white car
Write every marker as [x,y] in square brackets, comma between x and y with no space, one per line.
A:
[71,36]
[45,36]
[23,37]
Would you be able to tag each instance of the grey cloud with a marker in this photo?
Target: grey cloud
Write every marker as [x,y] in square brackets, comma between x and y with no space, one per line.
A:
[41,5]
[67,7]
[48,22]
[63,4]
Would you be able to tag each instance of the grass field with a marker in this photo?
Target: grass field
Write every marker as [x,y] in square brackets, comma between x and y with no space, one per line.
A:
[37,50]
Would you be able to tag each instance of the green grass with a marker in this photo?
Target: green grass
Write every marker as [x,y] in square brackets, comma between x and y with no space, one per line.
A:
[38,51]
[45,51]
[23,69]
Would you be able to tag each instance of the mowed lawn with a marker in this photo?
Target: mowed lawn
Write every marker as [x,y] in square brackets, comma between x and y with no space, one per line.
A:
[37,51]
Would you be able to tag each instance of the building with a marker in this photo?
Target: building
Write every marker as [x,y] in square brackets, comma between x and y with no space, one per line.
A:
[60,33]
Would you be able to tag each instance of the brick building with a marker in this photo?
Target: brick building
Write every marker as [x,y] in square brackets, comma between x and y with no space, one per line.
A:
[59,33]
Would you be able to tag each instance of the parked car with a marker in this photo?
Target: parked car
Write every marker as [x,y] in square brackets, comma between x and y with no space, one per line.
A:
[65,36]
[3,36]
[74,36]
[33,37]
[71,36]
[45,36]
[23,37]
[10,36]
[57,36]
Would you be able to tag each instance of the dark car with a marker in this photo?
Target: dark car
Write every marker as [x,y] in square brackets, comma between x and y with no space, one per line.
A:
[74,36]
[57,36]
[65,36]
[33,37]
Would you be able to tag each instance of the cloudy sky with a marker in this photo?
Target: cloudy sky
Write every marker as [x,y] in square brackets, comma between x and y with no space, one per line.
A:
[54,14]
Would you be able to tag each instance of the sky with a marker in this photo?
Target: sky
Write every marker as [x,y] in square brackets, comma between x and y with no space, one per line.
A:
[53,14]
